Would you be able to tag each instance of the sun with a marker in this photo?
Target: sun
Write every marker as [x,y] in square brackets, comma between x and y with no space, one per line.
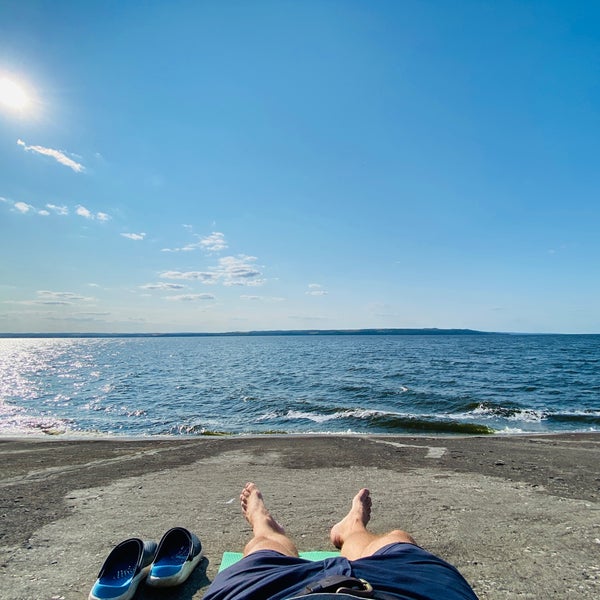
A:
[13,96]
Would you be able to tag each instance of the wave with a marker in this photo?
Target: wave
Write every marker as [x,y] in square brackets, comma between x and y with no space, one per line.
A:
[196,430]
[369,420]
[591,418]
[489,410]
[419,424]
[481,418]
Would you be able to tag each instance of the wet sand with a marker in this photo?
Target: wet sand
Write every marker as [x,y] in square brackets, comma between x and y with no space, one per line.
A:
[519,516]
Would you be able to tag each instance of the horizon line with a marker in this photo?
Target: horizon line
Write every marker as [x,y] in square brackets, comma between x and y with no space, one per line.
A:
[280,332]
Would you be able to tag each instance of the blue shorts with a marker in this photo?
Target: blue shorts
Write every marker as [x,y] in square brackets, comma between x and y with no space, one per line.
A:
[405,570]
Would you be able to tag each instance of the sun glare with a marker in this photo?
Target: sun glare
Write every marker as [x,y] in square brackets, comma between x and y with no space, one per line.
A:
[12,95]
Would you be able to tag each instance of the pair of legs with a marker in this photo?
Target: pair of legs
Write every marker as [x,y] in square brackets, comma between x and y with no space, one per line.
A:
[350,535]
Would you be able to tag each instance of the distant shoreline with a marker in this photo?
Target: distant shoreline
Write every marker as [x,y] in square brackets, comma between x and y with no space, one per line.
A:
[266,333]
[431,331]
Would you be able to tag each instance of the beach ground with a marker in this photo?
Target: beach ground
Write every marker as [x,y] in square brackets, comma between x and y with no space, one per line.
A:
[519,516]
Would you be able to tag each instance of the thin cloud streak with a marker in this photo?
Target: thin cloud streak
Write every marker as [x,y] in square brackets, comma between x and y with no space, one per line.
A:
[57,155]
[316,289]
[50,298]
[202,276]
[251,298]
[162,286]
[190,297]
[47,294]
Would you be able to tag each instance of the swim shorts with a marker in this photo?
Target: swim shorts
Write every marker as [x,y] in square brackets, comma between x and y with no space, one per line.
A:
[404,570]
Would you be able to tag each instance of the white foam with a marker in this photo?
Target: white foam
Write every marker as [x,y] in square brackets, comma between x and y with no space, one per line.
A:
[358,413]
[481,411]
[317,418]
[528,416]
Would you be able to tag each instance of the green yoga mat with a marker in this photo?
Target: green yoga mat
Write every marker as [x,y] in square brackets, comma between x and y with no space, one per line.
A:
[229,558]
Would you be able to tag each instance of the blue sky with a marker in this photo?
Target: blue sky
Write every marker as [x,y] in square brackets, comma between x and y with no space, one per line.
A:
[221,165]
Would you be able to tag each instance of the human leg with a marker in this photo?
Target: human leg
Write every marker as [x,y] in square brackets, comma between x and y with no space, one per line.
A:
[268,534]
[393,562]
[353,539]
[270,567]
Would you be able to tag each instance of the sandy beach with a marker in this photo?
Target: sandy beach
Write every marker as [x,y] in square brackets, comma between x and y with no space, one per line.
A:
[519,515]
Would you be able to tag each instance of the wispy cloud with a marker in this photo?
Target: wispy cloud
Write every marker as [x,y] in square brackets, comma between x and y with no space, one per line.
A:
[134,236]
[78,318]
[190,297]
[57,155]
[49,298]
[230,271]
[25,208]
[202,276]
[63,211]
[215,242]
[315,289]
[59,210]
[162,285]
[84,212]
[51,302]
[557,249]
[187,248]
[261,298]
[67,296]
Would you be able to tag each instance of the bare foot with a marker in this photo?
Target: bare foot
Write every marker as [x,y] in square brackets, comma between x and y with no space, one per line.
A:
[255,511]
[356,520]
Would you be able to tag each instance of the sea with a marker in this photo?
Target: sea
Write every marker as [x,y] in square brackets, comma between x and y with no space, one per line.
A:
[251,385]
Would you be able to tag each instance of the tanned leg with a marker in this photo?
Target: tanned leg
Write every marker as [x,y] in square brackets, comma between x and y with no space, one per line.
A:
[353,539]
[268,533]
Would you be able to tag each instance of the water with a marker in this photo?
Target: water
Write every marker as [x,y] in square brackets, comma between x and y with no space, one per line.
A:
[249,385]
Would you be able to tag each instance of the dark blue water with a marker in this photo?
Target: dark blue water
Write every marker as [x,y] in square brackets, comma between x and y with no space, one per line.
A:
[241,385]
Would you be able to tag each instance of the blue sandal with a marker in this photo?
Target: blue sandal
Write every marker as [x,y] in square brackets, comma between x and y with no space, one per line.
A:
[125,567]
[178,554]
